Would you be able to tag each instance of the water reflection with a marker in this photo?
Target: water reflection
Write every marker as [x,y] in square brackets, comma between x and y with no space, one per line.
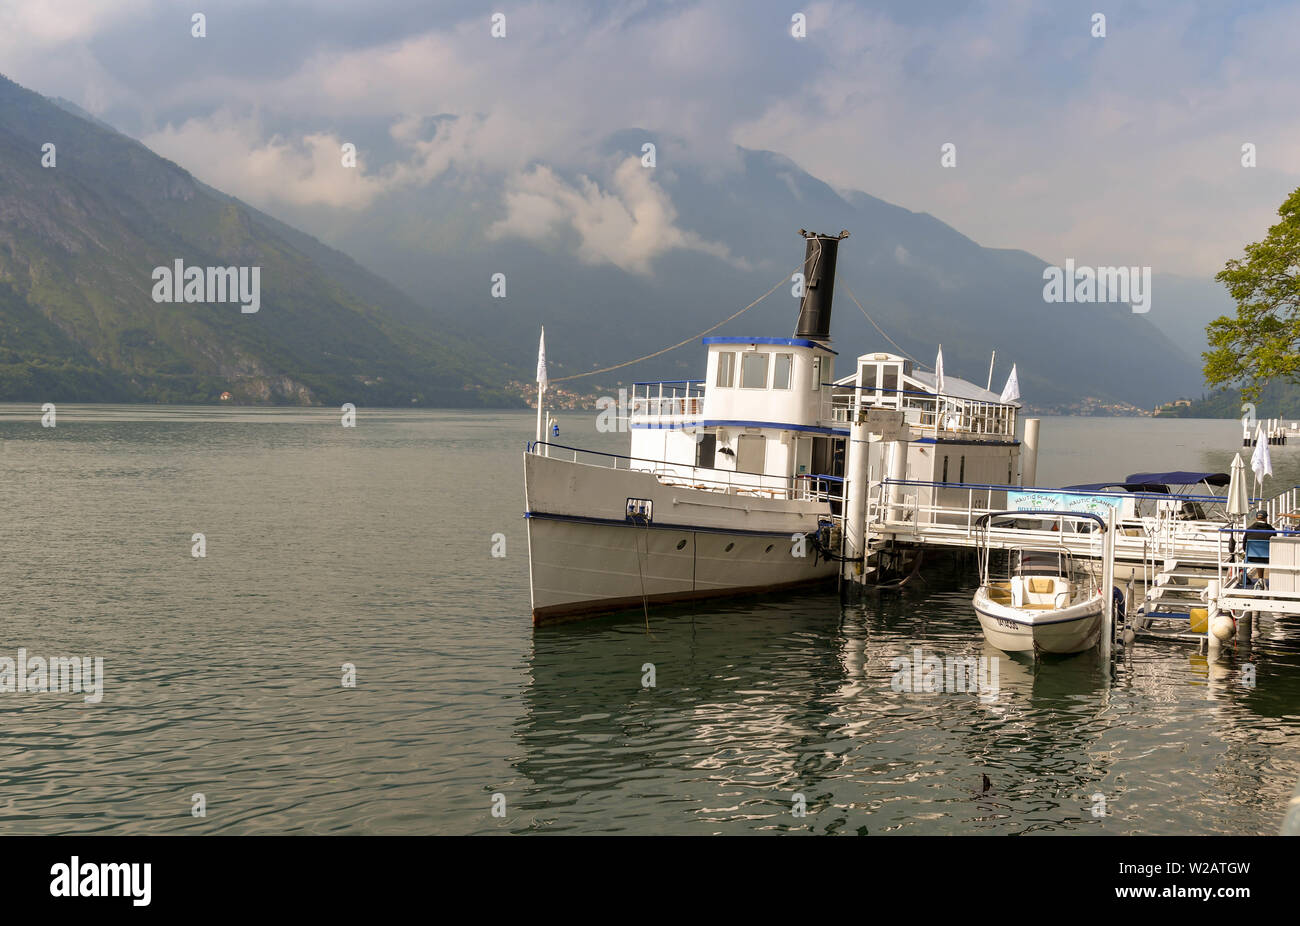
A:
[757,703]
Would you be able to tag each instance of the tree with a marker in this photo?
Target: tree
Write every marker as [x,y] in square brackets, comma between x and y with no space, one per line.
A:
[1263,341]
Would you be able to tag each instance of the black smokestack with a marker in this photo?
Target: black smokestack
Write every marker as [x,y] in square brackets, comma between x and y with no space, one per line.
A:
[818,285]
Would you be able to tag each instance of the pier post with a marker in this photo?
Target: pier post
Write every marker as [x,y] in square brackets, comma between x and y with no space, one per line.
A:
[1212,642]
[897,471]
[1029,454]
[855,500]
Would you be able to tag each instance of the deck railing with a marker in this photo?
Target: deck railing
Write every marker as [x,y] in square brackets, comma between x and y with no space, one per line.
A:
[674,398]
[760,485]
[935,414]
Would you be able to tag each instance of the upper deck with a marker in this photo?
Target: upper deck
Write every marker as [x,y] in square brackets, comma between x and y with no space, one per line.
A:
[961,411]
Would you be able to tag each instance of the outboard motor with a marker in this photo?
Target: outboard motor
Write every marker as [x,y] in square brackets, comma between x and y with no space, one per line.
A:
[818,285]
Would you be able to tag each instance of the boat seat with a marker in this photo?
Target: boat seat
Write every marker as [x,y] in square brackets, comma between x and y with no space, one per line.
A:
[1039,593]
[1000,592]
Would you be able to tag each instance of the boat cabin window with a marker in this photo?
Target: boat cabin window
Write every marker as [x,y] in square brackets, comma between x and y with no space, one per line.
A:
[781,369]
[726,368]
[753,371]
[869,376]
[889,378]
[816,374]
[945,470]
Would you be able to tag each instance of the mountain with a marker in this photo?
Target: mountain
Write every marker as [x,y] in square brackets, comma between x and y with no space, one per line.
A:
[79,243]
[1183,306]
[922,281]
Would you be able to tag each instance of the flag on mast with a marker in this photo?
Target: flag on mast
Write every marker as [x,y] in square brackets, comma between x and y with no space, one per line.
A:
[541,360]
[1011,391]
[938,372]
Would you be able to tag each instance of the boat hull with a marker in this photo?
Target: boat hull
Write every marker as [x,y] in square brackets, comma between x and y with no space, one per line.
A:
[1020,630]
[586,557]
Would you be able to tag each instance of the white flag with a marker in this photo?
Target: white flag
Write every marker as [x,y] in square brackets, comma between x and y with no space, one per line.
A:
[1011,391]
[938,372]
[541,360]
[1261,463]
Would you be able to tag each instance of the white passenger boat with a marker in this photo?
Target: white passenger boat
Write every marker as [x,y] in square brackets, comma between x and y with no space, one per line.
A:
[1043,599]
[734,483]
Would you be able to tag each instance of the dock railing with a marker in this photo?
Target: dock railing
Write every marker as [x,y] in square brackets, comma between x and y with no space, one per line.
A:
[913,510]
[1247,583]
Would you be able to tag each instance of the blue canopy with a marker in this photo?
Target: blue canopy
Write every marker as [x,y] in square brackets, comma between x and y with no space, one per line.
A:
[1181,478]
[1119,487]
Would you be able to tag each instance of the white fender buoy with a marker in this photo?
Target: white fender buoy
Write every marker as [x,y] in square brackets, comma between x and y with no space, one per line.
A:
[1222,627]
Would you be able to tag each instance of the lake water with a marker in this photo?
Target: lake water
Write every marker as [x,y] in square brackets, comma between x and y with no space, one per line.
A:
[372,546]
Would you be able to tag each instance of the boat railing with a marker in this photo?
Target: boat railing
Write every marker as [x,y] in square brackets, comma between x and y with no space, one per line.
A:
[933,415]
[675,398]
[761,485]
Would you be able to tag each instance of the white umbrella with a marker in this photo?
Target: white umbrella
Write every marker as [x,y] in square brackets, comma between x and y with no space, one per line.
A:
[1238,503]
[1261,463]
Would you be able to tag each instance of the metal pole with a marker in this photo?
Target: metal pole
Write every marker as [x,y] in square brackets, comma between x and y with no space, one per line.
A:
[1108,583]
[541,391]
[989,387]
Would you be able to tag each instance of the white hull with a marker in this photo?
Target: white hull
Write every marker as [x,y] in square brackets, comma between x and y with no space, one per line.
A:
[1018,630]
[585,557]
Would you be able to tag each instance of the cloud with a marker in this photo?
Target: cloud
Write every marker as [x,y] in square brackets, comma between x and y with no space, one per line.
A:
[232,155]
[627,225]
[1115,150]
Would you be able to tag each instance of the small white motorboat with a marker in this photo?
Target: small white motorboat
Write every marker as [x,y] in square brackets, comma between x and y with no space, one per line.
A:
[1048,601]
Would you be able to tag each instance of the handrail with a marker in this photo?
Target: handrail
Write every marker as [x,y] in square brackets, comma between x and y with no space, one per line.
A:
[1158,496]
[623,456]
[983,519]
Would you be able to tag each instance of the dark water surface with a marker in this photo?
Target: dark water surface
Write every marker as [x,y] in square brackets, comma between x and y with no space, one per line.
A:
[372,546]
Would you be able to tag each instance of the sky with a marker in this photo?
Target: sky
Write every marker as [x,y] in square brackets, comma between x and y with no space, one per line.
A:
[1122,149]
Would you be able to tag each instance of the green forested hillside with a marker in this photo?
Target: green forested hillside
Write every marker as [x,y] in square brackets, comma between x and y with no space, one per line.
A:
[79,242]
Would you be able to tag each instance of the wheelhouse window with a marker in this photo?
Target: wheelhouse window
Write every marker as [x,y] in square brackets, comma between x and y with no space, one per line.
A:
[726,368]
[753,371]
[889,378]
[869,376]
[782,367]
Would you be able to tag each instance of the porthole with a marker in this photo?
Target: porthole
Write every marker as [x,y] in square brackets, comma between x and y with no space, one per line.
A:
[729,548]
[681,544]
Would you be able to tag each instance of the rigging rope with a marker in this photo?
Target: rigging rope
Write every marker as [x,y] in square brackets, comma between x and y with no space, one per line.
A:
[619,366]
[775,287]
[882,330]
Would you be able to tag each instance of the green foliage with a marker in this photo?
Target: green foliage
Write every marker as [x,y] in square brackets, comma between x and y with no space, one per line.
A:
[1262,343]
